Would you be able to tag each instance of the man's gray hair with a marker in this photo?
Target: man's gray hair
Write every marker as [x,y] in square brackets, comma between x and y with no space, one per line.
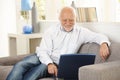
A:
[68,7]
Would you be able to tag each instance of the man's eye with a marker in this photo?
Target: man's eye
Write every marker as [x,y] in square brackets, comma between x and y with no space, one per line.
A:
[71,20]
[64,20]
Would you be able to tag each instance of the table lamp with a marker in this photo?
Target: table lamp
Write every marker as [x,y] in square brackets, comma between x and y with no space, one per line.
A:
[26,6]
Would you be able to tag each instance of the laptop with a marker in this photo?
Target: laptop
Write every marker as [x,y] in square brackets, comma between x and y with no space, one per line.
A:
[70,63]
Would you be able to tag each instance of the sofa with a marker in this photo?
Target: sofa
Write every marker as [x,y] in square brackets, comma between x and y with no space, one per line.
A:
[101,70]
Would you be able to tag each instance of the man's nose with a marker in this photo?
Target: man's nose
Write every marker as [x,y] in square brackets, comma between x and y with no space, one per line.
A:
[68,22]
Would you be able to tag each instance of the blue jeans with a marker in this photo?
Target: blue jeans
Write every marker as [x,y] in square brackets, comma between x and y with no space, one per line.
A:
[30,68]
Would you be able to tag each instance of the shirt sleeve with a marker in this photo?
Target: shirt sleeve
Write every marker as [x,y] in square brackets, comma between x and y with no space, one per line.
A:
[45,49]
[90,36]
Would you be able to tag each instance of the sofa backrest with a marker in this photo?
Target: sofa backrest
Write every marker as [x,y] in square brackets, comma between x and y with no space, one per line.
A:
[94,48]
[115,51]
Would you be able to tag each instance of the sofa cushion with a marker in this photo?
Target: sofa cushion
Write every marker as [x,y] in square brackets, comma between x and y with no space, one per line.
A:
[11,60]
[91,48]
[114,53]
[103,71]
[4,71]
[94,48]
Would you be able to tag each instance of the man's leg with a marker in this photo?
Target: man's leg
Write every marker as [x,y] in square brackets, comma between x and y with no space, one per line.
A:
[23,66]
[39,71]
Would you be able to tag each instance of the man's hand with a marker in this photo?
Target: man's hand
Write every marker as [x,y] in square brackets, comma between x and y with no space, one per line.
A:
[104,51]
[52,69]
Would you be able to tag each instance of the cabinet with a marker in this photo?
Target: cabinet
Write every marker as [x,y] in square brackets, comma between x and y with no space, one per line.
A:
[23,43]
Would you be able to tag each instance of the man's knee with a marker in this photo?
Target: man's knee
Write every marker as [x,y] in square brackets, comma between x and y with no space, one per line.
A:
[19,65]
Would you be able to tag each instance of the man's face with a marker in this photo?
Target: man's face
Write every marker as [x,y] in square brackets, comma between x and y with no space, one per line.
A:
[67,19]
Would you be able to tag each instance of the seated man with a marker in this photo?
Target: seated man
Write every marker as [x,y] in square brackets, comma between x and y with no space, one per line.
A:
[64,38]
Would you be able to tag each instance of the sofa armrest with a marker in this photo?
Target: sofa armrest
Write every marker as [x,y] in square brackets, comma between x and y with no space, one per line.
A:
[11,60]
[102,71]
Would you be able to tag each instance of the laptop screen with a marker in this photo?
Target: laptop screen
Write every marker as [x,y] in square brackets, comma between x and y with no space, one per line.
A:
[70,63]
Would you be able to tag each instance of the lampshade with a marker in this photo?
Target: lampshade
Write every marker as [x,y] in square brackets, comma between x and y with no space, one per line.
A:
[26,5]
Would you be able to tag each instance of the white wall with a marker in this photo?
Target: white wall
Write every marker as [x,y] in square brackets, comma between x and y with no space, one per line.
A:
[7,24]
[52,9]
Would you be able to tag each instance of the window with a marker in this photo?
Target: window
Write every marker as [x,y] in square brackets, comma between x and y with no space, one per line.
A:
[87,14]
[25,14]
[40,4]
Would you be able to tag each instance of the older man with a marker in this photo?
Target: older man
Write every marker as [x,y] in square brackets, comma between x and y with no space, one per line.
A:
[63,38]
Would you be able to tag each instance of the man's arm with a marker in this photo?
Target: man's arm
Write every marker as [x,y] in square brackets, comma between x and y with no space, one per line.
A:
[45,49]
[101,39]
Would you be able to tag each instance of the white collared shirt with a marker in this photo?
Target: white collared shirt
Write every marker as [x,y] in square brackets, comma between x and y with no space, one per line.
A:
[57,41]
